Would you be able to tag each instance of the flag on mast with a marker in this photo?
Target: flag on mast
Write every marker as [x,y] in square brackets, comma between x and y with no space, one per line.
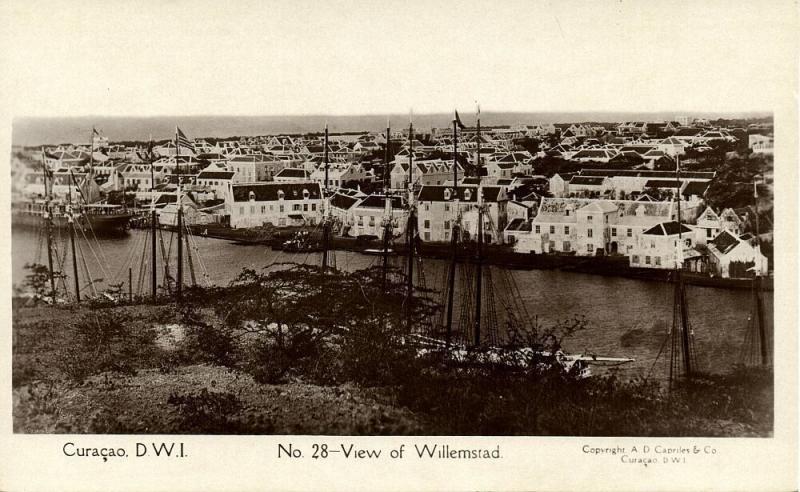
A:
[183,140]
[458,121]
[95,132]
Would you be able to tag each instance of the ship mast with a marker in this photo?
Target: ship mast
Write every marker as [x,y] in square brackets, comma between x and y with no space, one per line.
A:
[479,255]
[411,226]
[680,314]
[387,219]
[451,274]
[326,225]
[153,275]
[180,217]
[71,219]
[49,224]
[758,301]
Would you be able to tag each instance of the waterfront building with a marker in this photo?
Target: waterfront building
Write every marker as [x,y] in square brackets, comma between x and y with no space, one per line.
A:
[278,203]
[710,224]
[658,247]
[439,206]
[591,226]
[732,255]
[369,213]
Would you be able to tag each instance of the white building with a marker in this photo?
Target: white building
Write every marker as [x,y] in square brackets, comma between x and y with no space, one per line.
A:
[736,256]
[440,206]
[279,204]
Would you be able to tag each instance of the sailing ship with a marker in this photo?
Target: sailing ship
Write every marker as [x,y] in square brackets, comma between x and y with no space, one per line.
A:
[87,211]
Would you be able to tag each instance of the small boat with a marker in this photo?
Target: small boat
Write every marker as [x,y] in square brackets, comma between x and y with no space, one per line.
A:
[378,251]
[520,358]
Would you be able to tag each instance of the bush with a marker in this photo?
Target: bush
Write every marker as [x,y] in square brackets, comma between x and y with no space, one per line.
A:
[106,340]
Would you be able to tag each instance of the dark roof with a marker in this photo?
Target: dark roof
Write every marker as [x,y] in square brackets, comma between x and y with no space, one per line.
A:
[695,188]
[586,180]
[216,175]
[519,225]
[662,183]
[666,229]
[436,193]
[291,172]
[378,201]
[343,202]
[724,242]
[269,191]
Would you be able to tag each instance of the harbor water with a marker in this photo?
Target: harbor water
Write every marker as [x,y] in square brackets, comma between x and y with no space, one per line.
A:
[623,317]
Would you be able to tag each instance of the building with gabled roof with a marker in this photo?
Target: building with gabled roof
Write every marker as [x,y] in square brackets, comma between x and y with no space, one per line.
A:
[733,256]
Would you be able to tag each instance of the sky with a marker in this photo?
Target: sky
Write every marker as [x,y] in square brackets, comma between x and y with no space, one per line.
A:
[149,58]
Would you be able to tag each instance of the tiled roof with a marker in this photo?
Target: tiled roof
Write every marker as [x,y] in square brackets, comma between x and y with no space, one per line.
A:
[269,191]
[437,193]
[215,175]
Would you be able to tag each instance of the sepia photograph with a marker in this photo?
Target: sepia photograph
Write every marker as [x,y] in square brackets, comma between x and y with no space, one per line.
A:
[357,220]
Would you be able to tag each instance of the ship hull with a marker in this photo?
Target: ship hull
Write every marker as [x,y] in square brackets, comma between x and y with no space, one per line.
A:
[100,224]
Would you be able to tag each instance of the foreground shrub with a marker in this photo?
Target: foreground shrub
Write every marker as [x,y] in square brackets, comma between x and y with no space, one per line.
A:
[104,340]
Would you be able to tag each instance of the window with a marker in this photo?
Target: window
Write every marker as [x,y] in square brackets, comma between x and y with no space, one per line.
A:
[613,231]
[427,224]
[305,207]
[647,260]
[635,259]
[652,244]
[589,218]
[241,210]
[427,207]
[589,248]
[427,236]
[281,209]
[252,209]
[589,233]
[360,220]
[447,234]
[446,206]
[708,233]
[446,225]
[606,217]
[566,212]
[566,229]
[566,246]
[371,220]
[630,232]
[296,207]
[658,260]
[552,229]
[538,231]
[252,196]
[263,209]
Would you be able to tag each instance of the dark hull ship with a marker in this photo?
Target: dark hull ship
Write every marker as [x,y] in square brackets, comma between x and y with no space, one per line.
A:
[100,218]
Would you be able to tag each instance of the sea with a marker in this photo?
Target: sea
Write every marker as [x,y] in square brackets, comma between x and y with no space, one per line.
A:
[34,131]
[622,317]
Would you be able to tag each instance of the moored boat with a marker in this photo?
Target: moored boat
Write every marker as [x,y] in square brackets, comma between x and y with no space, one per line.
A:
[98,217]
